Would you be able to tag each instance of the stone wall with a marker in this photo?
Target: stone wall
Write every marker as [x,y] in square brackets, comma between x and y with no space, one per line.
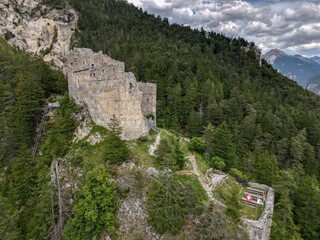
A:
[100,83]
[149,99]
[260,229]
[84,58]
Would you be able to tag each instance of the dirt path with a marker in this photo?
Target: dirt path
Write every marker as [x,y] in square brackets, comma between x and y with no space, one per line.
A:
[154,147]
[201,179]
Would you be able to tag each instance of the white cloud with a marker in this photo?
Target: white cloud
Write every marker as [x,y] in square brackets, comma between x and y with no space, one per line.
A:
[270,23]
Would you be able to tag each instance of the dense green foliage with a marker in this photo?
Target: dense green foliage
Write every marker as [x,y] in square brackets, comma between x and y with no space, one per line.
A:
[116,149]
[197,144]
[169,154]
[170,202]
[94,208]
[263,125]
[25,82]
[213,224]
[255,119]
[231,195]
[217,163]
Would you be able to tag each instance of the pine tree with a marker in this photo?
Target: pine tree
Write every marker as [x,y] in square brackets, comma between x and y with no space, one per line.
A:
[178,154]
[28,100]
[284,227]
[167,206]
[116,150]
[20,178]
[219,142]
[307,207]
[8,221]
[297,147]
[267,168]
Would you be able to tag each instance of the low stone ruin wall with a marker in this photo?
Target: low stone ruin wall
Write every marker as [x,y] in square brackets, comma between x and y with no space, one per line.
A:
[260,229]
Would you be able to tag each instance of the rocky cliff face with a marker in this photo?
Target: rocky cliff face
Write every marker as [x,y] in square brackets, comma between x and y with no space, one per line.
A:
[314,85]
[36,28]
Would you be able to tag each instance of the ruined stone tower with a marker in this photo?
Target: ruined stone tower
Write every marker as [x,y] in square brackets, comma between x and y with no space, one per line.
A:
[101,83]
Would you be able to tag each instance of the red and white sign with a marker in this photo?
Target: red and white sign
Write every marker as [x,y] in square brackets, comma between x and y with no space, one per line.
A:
[249,198]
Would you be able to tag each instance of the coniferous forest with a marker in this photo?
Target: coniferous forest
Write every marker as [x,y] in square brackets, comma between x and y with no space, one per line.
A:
[247,116]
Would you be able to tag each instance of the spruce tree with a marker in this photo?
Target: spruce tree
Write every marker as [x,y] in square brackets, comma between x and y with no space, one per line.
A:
[220,143]
[284,227]
[167,206]
[116,150]
[307,207]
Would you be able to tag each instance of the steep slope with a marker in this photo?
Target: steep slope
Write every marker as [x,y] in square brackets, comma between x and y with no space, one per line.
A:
[314,84]
[316,59]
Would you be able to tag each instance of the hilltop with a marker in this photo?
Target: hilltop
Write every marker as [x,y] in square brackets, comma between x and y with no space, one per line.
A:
[240,116]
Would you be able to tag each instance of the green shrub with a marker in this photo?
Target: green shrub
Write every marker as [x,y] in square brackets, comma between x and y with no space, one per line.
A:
[196,144]
[116,150]
[8,35]
[217,163]
[237,173]
[94,207]
[149,116]
[143,139]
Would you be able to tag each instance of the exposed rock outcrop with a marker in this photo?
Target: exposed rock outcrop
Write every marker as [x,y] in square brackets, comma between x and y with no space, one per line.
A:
[256,51]
[34,27]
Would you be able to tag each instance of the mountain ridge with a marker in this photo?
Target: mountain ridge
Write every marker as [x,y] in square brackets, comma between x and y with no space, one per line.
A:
[295,67]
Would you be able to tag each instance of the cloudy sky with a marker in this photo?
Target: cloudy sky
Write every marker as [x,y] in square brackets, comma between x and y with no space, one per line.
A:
[292,26]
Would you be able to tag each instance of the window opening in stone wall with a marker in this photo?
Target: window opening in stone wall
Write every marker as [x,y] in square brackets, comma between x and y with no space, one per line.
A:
[131,86]
[94,74]
[90,74]
[147,99]
[92,65]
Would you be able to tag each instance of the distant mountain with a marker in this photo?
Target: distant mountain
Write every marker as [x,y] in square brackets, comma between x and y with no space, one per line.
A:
[273,54]
[316,59]
[297,67]
[314,85]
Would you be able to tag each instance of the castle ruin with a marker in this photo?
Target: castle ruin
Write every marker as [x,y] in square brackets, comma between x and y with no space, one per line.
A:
[101,83]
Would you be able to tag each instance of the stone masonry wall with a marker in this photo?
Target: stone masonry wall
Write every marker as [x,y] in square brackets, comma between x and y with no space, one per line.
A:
[100,82]
[260,229]
[149,100]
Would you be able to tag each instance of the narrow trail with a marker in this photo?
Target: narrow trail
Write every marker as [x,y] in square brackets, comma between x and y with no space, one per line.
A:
[48,108]
[202,181]
[154,146]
